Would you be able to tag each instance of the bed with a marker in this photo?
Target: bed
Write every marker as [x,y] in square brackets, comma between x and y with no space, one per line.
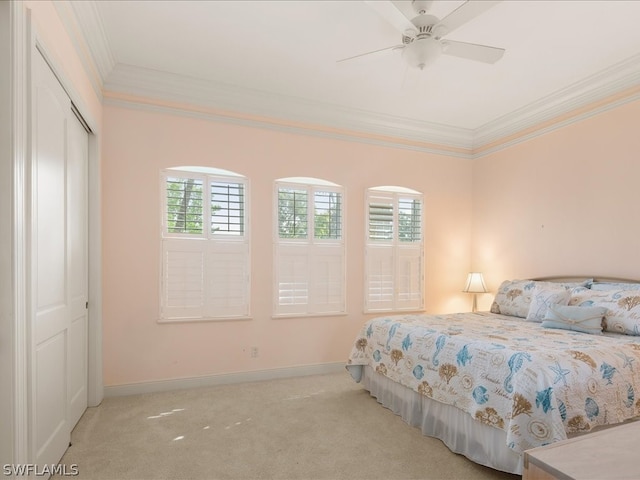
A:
[551,360]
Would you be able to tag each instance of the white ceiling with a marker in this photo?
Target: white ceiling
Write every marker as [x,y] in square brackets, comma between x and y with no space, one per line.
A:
[279,58]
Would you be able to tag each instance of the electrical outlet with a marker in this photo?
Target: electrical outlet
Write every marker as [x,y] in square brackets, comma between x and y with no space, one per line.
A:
[254,352]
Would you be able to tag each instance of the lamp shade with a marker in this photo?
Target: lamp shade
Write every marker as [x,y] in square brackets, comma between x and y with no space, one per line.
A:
[475,283]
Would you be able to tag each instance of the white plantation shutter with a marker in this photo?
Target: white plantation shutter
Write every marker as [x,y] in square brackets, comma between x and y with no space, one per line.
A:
[394,251]
[309,250]
[327,279]
[310,279]
[183,279]
[293,279]
[409,278]
[205,248]
[380,274]
[228,285]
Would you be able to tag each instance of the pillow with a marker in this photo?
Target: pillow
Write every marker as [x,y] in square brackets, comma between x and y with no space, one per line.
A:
[514,296]
[583,296]
[623,308]
[577,319]
[599,286]
[542,297]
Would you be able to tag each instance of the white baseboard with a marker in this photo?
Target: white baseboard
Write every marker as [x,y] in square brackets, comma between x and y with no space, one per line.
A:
[222,379]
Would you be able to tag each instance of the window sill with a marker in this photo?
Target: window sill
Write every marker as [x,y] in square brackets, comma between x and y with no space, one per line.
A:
[392,312]
[307,315]
[203,319]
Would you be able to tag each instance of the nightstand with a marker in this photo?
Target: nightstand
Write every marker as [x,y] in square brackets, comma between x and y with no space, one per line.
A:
[606,454]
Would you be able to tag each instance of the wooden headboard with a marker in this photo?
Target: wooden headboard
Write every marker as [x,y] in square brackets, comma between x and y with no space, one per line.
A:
[580,278]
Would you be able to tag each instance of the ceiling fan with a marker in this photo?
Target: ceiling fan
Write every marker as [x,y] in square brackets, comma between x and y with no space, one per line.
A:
[423,36]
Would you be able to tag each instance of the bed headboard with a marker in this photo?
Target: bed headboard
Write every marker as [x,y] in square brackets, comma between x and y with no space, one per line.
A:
[580,278]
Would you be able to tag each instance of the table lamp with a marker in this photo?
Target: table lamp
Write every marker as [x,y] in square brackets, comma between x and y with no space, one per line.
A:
[475,284]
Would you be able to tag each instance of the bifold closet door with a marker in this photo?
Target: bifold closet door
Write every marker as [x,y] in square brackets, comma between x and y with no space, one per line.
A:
[59,267]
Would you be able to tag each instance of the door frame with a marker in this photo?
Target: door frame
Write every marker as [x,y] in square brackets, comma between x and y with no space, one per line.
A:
[25,43]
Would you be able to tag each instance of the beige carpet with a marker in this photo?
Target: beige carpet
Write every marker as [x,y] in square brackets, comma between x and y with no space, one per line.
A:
[316,427]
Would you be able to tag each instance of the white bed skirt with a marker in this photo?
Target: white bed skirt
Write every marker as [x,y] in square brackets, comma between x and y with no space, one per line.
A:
[457,429]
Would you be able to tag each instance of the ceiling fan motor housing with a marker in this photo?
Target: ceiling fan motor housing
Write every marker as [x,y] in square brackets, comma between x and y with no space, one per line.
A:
[425,26]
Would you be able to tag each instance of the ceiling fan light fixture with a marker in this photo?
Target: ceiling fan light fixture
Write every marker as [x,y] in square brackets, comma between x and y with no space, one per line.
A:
[421,52]
[421,6]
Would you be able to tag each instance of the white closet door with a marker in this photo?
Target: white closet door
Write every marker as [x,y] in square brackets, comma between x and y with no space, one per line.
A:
[77,268]
[58,387]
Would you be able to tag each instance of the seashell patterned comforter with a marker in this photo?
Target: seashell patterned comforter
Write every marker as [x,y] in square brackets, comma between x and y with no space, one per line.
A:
[537,384]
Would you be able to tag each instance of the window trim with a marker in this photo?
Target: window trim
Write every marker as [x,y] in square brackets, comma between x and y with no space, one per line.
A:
[397,248]
[310,244]
[208,240]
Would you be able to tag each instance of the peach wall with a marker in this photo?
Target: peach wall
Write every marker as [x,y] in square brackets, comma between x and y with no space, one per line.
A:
[138,144]
[562,203]
[567,202]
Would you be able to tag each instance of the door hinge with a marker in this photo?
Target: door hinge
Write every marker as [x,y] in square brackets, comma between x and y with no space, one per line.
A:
[86,305]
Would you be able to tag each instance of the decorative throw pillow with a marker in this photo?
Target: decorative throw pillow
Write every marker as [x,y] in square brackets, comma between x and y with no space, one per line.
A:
[542,297]
[623,308]
[513,298]
[577,319]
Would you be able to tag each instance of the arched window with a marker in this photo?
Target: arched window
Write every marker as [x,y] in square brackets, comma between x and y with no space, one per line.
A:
[394,249]
[205,244]
[309,247]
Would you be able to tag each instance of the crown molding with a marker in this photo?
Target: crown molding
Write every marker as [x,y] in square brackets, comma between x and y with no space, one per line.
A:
[95,35]
[209,114]
[606,83]
[507,130]
[136,81]
[539,130]
[84,26]
[537,118]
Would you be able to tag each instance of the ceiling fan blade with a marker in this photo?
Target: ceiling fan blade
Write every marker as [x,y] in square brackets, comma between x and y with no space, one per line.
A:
[388,11]
[369,53]
[465,13]
[472,51]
